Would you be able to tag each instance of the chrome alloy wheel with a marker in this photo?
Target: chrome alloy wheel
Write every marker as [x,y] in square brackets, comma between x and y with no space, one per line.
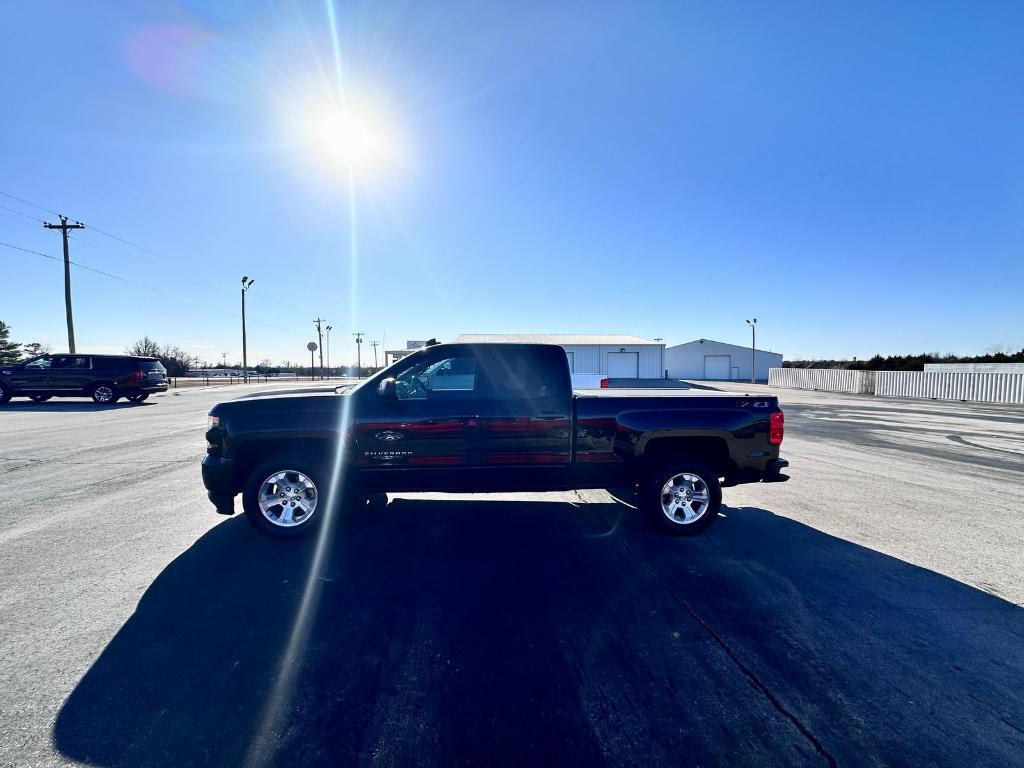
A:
[685,498]
[103,394]
[287,498]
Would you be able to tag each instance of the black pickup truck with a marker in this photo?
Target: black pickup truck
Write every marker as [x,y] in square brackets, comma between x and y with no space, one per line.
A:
[485,417]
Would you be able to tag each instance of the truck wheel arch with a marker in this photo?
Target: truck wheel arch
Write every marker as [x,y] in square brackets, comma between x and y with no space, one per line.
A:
[711,451]
[253,453]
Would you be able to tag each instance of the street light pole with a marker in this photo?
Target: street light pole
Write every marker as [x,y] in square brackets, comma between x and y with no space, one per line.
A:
[753,346]
[329,350]
[246,285]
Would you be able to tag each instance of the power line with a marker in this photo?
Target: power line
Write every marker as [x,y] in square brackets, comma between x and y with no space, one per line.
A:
[94,229]
[20,213]
[146,287]
[26,202]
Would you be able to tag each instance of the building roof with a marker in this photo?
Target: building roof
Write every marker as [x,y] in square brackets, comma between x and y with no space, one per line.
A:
[610,339]
[723,344]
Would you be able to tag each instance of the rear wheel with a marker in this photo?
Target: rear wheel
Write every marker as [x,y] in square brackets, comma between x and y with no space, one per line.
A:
[5,393]
[103,394]
[286,497]
[139,397]
[39,398]
[682,497]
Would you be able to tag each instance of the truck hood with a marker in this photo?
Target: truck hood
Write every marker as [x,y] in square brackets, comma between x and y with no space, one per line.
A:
[302,401]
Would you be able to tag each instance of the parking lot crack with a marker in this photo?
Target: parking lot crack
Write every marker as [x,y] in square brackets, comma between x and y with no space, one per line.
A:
[752,676]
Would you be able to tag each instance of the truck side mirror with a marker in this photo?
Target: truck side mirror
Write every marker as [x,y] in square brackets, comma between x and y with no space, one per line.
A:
[387,390]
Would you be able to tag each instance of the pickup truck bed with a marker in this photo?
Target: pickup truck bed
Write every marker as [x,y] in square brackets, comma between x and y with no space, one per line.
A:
[488,417]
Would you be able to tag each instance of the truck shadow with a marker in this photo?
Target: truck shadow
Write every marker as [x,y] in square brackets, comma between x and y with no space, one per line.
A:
[512,633]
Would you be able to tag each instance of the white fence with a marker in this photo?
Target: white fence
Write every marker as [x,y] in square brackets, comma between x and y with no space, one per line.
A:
[824,379]
[981,387]
[978,387]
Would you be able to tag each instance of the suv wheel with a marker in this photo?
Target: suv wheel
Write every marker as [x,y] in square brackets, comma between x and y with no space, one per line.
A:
[5,394]
[39,398]
[286,497]
[138,398]
[103,394]
[682,497]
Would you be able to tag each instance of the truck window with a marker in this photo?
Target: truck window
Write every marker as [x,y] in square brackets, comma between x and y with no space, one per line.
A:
[524,375]
[451,378]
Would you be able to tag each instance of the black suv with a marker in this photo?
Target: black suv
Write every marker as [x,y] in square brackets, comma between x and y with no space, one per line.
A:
[104,378]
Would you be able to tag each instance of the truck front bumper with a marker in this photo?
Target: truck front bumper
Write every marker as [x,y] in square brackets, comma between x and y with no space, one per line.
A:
[217,475]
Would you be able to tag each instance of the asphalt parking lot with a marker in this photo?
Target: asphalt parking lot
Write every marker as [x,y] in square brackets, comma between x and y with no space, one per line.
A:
[865,613]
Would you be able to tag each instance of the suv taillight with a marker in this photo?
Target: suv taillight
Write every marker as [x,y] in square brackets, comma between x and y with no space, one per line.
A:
[776,427]
[604,383]
[134,378]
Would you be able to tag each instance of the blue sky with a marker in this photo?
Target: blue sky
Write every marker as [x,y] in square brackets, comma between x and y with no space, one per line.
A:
[851,174]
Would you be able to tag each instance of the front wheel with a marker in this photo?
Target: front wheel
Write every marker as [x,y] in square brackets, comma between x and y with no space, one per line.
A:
[286,498]
[5,394]
[682,497]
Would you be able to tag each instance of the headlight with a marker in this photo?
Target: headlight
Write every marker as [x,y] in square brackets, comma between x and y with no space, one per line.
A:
[213,421]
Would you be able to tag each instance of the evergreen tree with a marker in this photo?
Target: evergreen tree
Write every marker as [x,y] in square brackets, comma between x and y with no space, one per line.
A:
[10,352]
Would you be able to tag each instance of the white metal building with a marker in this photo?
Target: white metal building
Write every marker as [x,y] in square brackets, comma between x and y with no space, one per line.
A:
[615,356]
[705,359]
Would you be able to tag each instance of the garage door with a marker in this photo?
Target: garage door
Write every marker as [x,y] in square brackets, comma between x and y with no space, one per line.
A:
[717,367]
[623,365]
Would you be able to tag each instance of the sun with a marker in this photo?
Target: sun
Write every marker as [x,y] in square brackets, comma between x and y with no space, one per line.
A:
[353,139]
[344,137]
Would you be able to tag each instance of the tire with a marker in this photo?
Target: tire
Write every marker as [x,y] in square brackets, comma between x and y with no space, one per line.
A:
[672,495]
[5,394]
[104,394]
[39,398]
[138,398]
[299,480]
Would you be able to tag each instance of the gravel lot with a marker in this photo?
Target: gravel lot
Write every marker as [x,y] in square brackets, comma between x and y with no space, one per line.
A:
[865,613]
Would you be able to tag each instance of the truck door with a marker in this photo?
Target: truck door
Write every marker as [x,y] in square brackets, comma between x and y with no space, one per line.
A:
[428,434]
[527,413]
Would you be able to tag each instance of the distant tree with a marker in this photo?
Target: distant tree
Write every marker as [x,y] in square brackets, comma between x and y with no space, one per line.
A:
[176,360]
[34,349]
[912,362]
[9,350]
[144,347]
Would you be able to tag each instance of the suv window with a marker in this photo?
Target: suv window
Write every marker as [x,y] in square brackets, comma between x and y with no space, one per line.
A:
[70,362]
[39,362]
[113,364]
[152,365]
[453,377]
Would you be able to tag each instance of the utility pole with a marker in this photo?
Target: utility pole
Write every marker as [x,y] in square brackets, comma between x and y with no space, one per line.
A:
[359,349]
[375,344]
[245,360]
[753,346]
[64,228]
[320,336]
[224,355]
[329,327]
